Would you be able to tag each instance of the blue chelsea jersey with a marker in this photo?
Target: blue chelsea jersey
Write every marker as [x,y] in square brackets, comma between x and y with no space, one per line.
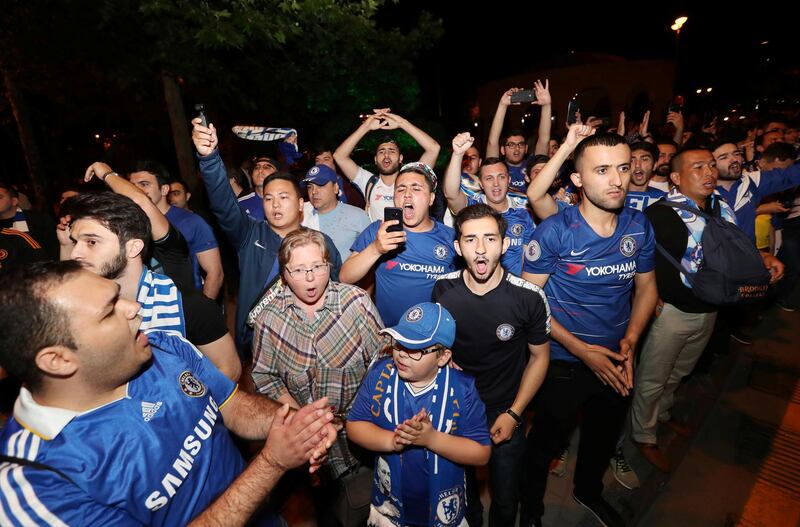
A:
[158,456]
[591,277]
[519,231]
[641,200]
[406,277]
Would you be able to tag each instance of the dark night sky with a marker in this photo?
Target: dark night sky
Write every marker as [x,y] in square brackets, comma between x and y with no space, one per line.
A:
[720,46]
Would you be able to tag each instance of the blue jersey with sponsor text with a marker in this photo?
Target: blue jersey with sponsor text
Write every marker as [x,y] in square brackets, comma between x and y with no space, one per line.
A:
[516,177]
[591,277]
[641,200]
[519,231]
[406,276]
[158,456]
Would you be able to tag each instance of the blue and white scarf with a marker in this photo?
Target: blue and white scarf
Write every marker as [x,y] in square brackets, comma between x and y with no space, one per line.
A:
[20,221]
[446,485]
[162,305]
[693,257]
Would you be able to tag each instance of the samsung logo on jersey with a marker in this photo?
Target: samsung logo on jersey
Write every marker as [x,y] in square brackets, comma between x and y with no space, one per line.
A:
[419,268]
[606,270]
[184,462]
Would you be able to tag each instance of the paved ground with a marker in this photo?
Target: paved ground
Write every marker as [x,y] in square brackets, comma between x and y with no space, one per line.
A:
[741,467]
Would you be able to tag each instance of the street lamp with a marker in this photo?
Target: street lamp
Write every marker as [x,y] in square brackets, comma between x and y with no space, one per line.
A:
[679,22]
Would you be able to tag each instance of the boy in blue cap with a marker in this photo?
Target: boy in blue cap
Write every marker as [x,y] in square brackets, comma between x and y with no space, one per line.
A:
[422,417]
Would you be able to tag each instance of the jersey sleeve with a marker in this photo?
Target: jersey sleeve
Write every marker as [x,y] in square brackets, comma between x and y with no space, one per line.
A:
[646,258]
[364,407]
[541,253]
[537,325]
[32,496]
[366,237]
[203,237]
[361,180]
[472,424]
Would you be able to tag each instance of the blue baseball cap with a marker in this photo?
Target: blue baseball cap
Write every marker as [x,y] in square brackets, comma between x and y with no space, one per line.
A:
[320,175]
[424,325]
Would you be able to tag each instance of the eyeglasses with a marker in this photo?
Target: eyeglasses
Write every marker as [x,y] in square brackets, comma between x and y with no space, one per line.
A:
[416,355]
[300,273]
[515,145]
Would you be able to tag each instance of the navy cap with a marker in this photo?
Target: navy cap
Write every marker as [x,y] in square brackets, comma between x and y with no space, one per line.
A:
[320,175]
[424,325]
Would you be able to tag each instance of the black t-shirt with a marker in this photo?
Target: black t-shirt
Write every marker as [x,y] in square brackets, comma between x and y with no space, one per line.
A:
[18,249]
[204,320]
[493,332]
[672,235]
[171,255]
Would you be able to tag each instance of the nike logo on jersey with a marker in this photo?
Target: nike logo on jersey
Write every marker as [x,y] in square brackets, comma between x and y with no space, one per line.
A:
[149,410]
[257,244]
[573,252]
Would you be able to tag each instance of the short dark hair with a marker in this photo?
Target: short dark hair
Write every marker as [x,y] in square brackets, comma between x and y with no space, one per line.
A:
[29,321]
[284,176]
[512,133]
[181,183]
[239,174]
[716,144]
[675,163]
[11,190]
[535,160]
[476,212]
[388,139]
[489,161]
[666,141]
[117,213]
[648,147]
[154,167]
[598,139]
[779,151]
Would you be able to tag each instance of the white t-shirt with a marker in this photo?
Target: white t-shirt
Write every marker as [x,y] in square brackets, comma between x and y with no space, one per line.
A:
[382,194]
[660,185]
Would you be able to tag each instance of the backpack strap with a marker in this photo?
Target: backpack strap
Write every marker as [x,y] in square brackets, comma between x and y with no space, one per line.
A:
[675,263]
[369,188]
[33,464]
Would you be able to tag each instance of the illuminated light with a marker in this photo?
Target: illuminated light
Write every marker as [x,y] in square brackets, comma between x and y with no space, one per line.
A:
[725,118]
[765,43]
[681,20]
[741,117]
[708,90]
[699,90]
[97,136]
[552,118]
[523,120]
[733,110]
[476,124]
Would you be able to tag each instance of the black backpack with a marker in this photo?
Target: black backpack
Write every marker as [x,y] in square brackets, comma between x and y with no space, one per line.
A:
[732,271]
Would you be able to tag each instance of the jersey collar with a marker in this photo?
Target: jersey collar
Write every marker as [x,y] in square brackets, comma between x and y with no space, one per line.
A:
[44,421]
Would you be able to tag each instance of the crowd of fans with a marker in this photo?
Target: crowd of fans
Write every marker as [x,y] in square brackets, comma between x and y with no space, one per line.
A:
[392,330]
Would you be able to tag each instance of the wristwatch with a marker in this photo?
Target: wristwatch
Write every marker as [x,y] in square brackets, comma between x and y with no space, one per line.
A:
[110,173]
[514,416]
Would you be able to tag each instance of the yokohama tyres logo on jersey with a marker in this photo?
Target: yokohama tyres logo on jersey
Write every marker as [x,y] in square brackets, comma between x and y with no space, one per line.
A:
[624,271]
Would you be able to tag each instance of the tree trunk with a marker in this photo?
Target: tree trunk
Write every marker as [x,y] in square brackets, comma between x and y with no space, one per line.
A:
[180,130]
[30,148]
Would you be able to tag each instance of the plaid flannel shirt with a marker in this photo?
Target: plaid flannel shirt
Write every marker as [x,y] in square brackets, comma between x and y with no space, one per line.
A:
[326,356]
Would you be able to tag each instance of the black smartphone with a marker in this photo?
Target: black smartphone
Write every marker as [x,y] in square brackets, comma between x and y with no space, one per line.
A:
[200,109]
[393,213]
[573,108]
[674,107]
[523,96]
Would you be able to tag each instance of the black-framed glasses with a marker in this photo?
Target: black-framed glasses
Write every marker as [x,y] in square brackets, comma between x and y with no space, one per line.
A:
[301,273]
[416,355]
[515,145]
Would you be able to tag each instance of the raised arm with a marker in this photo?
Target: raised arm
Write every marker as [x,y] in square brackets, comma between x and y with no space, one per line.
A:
[429,145]
[119,185]
[542,203]
[456,199]
[544,100]
[493,145]
[342,154]
[292,440]
[360,263]
[232,219]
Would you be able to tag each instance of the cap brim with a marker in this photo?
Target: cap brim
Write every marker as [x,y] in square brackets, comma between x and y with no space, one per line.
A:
[411,340]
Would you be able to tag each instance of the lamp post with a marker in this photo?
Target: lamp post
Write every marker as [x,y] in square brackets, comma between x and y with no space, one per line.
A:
[676,27]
